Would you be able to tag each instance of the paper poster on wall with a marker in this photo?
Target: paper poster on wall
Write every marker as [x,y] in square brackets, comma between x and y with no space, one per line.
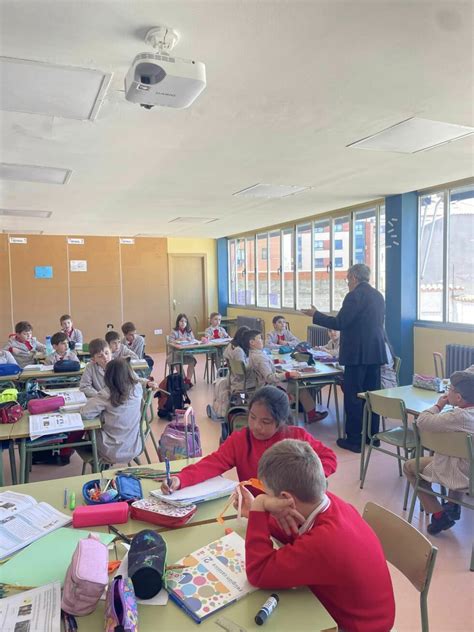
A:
[43,272]
[18,240]
[76,241]
[78,265]
[127,241]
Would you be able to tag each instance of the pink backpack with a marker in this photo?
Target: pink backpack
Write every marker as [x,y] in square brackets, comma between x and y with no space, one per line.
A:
[180,438]
[86,577]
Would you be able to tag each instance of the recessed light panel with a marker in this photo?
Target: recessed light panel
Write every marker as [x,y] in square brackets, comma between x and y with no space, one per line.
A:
[270,191]
[34,173]
[40,88]
[192,220]
[413,135]
[17,213]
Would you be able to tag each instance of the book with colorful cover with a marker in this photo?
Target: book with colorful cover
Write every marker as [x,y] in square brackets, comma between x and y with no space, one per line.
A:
[214,577]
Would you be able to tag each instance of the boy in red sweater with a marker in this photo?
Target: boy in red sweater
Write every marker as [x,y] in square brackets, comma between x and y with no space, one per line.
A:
[327,545]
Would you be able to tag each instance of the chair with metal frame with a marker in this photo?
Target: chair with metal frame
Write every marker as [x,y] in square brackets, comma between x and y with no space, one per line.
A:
[439,364]
[401,437]
[397,363]
[405,548]
[452,444]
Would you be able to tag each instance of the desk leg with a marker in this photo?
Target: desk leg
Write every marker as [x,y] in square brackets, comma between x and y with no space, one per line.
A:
[95,458]
[22,461]
[362,440]
[11,451]
[338,420]
[297,402]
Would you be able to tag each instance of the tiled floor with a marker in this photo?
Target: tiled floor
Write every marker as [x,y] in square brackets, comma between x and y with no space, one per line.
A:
[451,604]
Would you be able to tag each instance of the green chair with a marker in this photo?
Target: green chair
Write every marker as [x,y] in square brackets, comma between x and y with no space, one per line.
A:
[400,437]
[238,369]
[405,548]
[453,444]
[397,363]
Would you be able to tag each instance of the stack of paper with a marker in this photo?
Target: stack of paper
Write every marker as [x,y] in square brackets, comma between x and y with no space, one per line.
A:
[52,423]
[211,489]
[46,367]
[37,610]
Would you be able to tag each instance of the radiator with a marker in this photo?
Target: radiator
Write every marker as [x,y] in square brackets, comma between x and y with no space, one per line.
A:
[317,336]
[252,323]
[458,358]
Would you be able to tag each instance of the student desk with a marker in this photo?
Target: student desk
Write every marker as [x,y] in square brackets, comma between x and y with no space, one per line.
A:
[416,401]
[321,375]
[21,431]
[198,347]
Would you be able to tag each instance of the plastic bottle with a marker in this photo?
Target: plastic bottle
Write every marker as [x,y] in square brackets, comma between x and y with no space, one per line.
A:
[49,346]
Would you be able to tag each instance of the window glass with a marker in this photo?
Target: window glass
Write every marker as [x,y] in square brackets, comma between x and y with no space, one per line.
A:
[288,264]
[460,256]
[232,281]
[365,234]
[303,265]
[250,270]
[430,256]
[322,268]
[341,262]
[262,270]
[274,298]
[240,272]
[381,266]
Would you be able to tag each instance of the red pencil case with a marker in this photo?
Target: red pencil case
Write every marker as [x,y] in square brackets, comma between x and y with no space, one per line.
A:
[161,513]
[99,515]
[46,405]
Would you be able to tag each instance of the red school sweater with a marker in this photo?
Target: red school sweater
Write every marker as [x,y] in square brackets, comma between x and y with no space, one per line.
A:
[243,451]
[340,559]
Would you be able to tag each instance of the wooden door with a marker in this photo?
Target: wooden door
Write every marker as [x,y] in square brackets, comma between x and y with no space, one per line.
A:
[188,289]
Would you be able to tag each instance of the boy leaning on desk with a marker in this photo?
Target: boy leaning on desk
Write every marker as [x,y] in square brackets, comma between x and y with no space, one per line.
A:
[327,546]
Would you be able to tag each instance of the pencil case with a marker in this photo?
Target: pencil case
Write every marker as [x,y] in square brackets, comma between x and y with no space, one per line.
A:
[99,515]
[161,513]
[46,405]
[126,488]
[121,610]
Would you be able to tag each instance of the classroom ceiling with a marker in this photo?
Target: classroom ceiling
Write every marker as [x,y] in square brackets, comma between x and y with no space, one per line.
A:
[289,85]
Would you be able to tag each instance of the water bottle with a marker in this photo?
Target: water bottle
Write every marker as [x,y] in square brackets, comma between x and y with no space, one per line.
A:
[49,346]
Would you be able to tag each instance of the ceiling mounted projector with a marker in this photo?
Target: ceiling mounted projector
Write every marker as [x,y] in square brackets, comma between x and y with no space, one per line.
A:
[159,79]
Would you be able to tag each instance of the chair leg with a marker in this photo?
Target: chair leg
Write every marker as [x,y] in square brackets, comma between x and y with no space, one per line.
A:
[399,459]
[471,567]
[137,460]
[413,501]
[407,491]
[84,465]
[13,472]
[366,465]
[329,395]
[147,456]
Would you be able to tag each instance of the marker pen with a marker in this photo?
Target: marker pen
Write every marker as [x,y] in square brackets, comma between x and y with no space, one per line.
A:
[267,609]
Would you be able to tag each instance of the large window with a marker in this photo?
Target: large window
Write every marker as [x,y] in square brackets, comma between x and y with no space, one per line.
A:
[445,256]
[297,266]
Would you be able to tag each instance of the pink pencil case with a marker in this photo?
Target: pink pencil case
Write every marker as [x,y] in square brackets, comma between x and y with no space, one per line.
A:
[99,515]
[46,405]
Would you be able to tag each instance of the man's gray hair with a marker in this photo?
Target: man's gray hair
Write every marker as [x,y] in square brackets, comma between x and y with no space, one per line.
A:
[360,271]
[293,466]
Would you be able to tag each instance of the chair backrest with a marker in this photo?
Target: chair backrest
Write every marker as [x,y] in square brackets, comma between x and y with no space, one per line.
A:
[438,364]
[397,363]
[237,367]
[387,406]
[404,547]
[454,444]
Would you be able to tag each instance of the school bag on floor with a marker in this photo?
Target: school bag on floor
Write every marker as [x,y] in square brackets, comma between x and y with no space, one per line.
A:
[177,398]
[181,438]
[221,400]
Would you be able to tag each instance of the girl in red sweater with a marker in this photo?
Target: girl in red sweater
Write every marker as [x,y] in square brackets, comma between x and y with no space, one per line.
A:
[269,415]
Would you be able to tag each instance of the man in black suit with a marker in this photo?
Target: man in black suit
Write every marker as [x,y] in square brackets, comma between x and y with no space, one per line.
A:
[362,348]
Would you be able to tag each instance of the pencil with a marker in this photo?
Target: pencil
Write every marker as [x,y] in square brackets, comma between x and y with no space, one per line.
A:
[65,498]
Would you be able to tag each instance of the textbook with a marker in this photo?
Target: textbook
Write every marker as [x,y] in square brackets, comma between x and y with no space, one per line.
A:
[214,577]
[52,423]
[211,489]
[70,396]
[23,520]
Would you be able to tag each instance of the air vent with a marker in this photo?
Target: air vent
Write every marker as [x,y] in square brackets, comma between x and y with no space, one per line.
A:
[270,191]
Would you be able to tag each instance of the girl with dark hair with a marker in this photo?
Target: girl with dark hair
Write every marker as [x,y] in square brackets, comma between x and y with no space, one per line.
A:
[235,352]
[119,406]
[183,332]
[268,423]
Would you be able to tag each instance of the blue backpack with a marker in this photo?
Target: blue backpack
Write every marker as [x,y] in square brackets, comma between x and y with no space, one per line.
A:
[66,366]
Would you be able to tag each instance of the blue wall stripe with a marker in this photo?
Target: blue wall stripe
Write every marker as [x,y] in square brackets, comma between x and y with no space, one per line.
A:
[222,275]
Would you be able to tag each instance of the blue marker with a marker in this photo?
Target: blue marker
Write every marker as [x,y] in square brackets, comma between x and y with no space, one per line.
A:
[168,477]
[267,609]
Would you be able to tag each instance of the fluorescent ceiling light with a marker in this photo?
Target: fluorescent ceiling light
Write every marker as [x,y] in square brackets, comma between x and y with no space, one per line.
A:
[34,173]
[39,88]
[413,135]
[12,231]
[192,220]
[16,213]
[270,191]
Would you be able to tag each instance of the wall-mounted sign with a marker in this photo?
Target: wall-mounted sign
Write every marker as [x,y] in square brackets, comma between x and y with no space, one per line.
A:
[43,272]
[18,240]
[75,241]
[127,240]
[78,265]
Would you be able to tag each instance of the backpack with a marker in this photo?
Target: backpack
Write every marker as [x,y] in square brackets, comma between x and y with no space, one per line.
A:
[181,438]
[177,398]
[237,418]
[10,369]
[221,401]
[10,412]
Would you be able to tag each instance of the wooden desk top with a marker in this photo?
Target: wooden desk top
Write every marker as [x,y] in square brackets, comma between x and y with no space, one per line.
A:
[321,369]
[298,609]
[52,492]
[222,342]
[416,399]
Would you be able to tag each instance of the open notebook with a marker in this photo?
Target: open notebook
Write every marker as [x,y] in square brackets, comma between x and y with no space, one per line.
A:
[211,489]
